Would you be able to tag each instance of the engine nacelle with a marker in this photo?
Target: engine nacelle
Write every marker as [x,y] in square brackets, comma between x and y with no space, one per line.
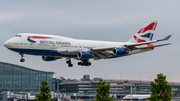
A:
[84,55]
[119,51]
[48,58]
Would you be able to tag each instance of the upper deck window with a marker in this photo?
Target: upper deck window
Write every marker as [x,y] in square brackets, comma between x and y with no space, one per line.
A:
[18,35]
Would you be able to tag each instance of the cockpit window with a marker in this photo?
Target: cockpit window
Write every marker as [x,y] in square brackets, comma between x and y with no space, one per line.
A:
[18,35]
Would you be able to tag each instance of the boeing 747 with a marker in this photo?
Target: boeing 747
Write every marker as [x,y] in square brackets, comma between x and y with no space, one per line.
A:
[52,47]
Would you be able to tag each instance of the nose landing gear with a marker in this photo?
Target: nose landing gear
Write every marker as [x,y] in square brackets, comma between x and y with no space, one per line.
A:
[22,57]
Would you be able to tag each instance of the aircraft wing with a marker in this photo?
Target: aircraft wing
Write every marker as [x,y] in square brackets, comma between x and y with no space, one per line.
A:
[133,45]
[102,52]
[107,52]
[98,53]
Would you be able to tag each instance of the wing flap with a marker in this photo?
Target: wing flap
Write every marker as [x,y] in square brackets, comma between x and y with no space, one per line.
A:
[100,49]
[154,46]
[106,52]
[102,55]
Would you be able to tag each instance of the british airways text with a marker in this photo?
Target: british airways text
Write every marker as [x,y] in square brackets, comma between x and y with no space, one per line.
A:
[54,42]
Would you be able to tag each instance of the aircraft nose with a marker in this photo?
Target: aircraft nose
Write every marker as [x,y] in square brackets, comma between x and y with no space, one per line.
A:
[6,44]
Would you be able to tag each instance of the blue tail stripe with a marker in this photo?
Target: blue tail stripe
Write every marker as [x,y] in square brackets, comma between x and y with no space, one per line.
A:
[148,35]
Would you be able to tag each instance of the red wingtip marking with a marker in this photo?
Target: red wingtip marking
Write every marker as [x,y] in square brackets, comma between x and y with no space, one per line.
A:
[150,45]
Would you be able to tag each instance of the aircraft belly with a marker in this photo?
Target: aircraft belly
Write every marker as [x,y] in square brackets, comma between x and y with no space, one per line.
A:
[41,52]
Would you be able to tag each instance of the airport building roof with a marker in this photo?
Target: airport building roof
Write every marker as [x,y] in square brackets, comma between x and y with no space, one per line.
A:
[27,67]
[18,78]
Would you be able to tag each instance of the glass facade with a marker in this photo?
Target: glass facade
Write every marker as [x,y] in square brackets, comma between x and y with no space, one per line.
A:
[21,79]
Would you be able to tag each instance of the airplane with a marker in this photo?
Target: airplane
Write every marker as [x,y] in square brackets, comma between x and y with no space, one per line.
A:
[136,97]
[52,47]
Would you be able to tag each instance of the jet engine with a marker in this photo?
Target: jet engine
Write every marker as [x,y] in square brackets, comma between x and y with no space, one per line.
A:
[119,51]
[84,55]
[48,58]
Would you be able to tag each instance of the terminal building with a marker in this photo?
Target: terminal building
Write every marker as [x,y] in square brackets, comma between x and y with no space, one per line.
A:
[86,87]
[20,79]
[17,78]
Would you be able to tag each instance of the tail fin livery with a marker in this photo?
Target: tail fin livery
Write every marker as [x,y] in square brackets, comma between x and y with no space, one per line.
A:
[145,33]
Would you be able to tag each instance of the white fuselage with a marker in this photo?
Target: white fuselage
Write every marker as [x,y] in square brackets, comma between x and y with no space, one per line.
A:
[58,46]
[20,42]
[136,97]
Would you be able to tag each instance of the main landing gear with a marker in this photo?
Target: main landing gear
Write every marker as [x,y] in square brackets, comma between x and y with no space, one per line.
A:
[69,63]
[22,57]
[84,63]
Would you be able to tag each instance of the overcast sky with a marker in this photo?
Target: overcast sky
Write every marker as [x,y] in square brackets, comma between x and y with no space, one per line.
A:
[107,20]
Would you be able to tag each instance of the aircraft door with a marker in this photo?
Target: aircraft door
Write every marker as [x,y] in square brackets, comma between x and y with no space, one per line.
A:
[53,46]
[80,46]
[31,45]
[57,45]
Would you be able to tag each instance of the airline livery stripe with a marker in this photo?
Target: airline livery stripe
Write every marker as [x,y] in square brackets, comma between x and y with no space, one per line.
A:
[155,26]
[38,37]
[152,26]
[138,40]
[150,45]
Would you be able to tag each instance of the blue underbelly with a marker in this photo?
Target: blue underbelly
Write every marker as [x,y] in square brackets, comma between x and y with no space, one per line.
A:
[41,52]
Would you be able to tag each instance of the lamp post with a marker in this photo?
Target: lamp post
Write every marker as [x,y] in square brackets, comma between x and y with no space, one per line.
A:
[131,87]
[131,90]
[57,88]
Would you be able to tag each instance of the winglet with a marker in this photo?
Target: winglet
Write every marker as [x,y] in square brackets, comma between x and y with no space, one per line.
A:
[167,37]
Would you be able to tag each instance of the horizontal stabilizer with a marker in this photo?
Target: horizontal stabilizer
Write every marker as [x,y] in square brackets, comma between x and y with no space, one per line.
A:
[148,42]
[167,37]
[154,46]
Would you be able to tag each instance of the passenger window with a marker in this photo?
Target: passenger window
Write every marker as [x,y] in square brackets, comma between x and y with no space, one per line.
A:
[18,35]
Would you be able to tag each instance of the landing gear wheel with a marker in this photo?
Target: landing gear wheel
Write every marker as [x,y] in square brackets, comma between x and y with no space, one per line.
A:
[80,63]
[22,60]
[84,63]
[70,65]
[67,62]
[89,63]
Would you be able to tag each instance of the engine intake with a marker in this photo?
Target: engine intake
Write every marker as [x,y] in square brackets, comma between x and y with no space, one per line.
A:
[48,58]
[119,51]
[84,55]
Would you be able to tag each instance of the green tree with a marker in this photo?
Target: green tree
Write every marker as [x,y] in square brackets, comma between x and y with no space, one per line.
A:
[103,91]
[161,90]
[44,94]
[63,90]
